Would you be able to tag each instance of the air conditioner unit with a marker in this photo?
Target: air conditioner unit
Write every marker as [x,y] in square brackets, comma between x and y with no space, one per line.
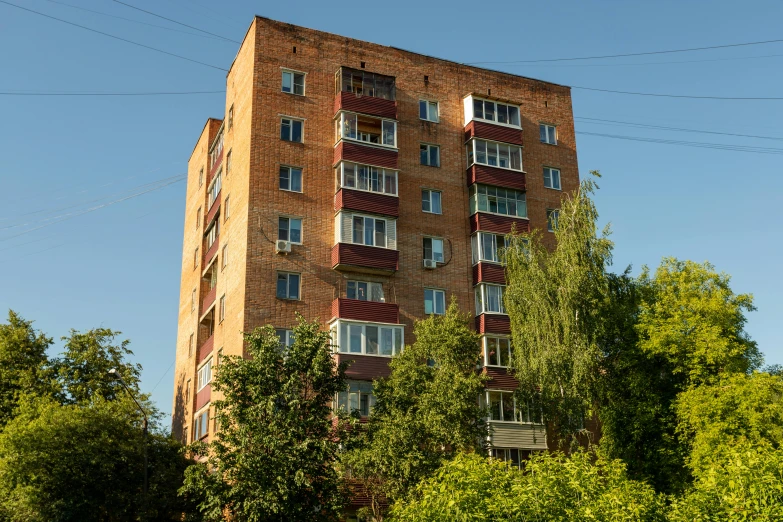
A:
[430,263]
[282,247]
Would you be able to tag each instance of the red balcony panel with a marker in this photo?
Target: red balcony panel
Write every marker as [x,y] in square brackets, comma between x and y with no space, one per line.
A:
[364,367]
[497,224]
[365,311]
[212,252]
[485,272]
[367,202]
[215,167]
[490,131]
[364,256]
[500,379]
[493,323]
[208,300]
[203,396]
[206,348]
[213,210]
[348,101]
[365,154]
[495,176]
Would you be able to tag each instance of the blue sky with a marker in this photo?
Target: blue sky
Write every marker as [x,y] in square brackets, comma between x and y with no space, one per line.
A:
[118,265]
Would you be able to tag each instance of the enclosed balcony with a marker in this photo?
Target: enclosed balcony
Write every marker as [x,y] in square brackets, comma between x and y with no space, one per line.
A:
[366,243]
[365,92]
[215,154]
[368,347]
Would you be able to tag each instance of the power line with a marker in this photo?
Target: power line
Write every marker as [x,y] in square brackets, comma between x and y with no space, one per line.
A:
[113,36]
[599,121]
[176,22]
[648,53]
[87,93]
[132,20]
[699,144]
[730,58]
[753,98]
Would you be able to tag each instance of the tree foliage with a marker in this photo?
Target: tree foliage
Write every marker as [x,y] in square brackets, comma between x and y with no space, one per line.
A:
[426,411]
[554,299]
[552,487]
[273,458]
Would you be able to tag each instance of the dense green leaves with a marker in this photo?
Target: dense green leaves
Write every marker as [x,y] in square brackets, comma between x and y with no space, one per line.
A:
[274,455]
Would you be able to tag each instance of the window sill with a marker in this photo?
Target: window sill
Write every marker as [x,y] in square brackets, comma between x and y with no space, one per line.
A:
[287,299]
[493,122]
[497,214]
[370,191]
[425,165]
[370,246]
[492,313]
[553,188]
[547,143]
[367,143]
[292,142]
[433,213]
[293,94]
[521,171]
[428,121]
[365,354]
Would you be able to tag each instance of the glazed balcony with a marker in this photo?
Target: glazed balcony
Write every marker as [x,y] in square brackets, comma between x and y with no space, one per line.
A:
[214,208]
[493,323]
[371,311]
[488,175]
[489,131]
[362,258]
[211,251]
[365,92]
[486,272]
[365,201]
[517,435]
[486,222]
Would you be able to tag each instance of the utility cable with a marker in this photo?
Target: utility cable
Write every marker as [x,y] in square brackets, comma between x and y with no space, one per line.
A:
[625,55]
[113,36]
[176,22]
[753,98]
[56,93]
[600,121]
[699,144]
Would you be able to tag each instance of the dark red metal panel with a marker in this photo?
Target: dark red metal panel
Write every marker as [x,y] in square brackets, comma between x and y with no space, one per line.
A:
[490,131]
[203,396]
[485,272]
[206,348]
[365,367]
[367,202]
[365,154]
[364,256]
[500,379]
[213,210]
[365,311]
[208,299]
[348,101]
[497,224]
[494,176]
[212,252]
[215,167]
[493,323]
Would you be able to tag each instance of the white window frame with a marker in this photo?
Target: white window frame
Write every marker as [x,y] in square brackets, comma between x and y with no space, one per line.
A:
[365,221]
[483,291]
[371,288]
[222,308]
[435,293]
[473,157]
[375,175]
[340,328]
[290,219]
[474,99]
[429,147]
[551,224]
[345,130]
[293,74]
[201,424]
[427,105]
[549,131]
[204,374]
[290,170]
[352,397]
[485,339]
[291,121]
[288,285]
[286,337]
[475,194]
[226,209]
[495,453]
[477,246]
[215,186]
[429,193]
[213,233]
[551,175]
[433,257]
[520,417]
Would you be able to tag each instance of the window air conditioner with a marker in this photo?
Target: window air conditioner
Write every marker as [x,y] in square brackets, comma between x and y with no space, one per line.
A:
[430,263]
[282,247]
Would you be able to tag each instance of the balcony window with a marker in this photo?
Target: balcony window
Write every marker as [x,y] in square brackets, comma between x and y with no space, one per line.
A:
[365,291]
[434,301]
[489,299]
[289,229]
[428,110]
[365,83]
[364,177]
[501,155]
[201,425]
[488,110]
[290,179]
[293,82]
[352,126]
[214,188]
[433,249]
[212,234]
[497,351]
[358,397]
[368,339]
[512,456]
[291,130]
[366,230]
[204,374]
[485,247]
[216,150]
[495,200]
[287,285]
[502,406]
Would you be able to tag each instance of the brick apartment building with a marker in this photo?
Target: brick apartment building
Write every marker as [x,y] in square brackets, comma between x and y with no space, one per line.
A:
[365,186]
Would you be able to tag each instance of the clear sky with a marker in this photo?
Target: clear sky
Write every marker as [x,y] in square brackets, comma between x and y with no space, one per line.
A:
[68,262]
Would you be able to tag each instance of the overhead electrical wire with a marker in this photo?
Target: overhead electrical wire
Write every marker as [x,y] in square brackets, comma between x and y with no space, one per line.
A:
[698,144]
[625,55]
[86,93]
[746,98]
[599,121]
[176,22]
[114,37]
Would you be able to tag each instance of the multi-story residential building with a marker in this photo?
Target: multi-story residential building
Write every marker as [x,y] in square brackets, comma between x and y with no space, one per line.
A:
[365,186]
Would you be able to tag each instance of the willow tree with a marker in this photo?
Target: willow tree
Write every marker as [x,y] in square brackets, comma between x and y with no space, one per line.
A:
[554,299]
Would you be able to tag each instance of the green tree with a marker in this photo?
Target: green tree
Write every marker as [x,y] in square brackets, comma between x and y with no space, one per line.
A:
[273,458]
[426,411]
[552,487]
[554,299]
[24,367]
